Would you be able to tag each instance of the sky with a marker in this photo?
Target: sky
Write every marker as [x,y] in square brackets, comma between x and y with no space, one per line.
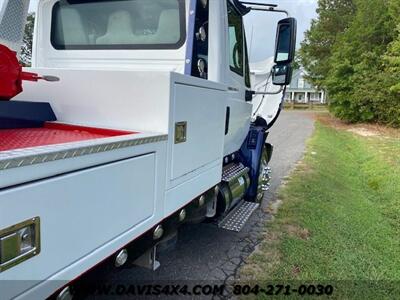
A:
[261,26]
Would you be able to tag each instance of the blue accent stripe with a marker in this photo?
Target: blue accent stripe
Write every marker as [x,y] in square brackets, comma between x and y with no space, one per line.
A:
[190,37]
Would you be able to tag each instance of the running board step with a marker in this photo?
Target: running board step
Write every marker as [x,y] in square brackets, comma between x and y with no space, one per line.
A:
[238,217]
[233,171]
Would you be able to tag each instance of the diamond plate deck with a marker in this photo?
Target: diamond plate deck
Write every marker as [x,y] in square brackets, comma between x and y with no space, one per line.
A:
[37,155]
[239,216]
[232,171]
[52,134]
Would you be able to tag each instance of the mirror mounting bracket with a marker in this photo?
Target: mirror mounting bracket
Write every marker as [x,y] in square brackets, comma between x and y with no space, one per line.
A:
[251,94]
[265,7]
[269,93]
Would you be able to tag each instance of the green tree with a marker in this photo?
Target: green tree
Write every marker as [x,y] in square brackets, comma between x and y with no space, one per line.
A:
[392,57]
[26,50]
[393,63]
[392,69]
[357,81]
[334,16]
[355,56]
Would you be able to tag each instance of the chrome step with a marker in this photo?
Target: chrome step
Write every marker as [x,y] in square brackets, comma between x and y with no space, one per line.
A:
[238,217]
[233,171]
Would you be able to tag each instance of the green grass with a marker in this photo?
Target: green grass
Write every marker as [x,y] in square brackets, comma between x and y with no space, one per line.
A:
[340,219]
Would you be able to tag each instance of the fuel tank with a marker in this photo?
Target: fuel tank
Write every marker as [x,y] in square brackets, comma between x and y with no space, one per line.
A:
[234,185]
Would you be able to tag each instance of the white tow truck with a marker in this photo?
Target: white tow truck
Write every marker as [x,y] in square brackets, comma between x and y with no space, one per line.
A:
[148,124]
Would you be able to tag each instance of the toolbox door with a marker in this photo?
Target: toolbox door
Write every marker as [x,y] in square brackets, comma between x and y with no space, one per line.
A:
[79,212]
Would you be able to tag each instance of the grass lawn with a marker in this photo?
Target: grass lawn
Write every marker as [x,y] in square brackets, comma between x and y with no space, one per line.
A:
[339,221]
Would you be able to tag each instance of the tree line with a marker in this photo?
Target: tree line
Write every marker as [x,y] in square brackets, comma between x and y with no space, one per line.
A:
[352,51]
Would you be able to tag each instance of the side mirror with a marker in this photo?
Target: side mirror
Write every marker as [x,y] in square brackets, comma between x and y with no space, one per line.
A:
[282,74]
[286,41]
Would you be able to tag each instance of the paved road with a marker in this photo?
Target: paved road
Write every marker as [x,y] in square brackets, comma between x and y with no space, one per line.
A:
[288,137]
[205,252]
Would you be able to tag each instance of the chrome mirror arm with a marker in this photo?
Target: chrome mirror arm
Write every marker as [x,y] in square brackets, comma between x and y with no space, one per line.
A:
[265,7]
[269,93]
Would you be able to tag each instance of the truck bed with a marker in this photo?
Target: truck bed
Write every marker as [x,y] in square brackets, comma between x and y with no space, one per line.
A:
[30,154]
[52,134]
[98,188]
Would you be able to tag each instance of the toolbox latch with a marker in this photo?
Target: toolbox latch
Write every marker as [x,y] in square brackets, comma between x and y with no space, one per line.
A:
[180,132]
[19,243]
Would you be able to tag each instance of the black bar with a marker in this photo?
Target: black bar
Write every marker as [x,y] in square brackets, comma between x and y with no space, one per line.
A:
[261,4]
[227,119]
[27,111]
[21,114]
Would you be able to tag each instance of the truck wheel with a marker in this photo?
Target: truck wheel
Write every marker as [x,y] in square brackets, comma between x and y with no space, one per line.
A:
[264,176]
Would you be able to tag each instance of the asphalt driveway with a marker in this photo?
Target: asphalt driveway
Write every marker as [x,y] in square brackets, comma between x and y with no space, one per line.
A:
[205,252]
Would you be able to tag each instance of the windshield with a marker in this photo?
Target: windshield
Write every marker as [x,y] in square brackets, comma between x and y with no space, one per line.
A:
[118,24]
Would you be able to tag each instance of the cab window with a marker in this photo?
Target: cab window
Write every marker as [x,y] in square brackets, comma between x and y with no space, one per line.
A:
[236,43]
[118,24]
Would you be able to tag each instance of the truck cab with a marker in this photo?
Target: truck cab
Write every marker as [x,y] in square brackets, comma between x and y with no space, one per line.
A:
[152,126]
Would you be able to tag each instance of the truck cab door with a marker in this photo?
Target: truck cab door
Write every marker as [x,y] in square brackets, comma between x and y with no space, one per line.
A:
[238,111]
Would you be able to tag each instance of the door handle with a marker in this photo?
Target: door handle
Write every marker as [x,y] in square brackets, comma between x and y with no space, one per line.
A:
[180,132]
[227,119]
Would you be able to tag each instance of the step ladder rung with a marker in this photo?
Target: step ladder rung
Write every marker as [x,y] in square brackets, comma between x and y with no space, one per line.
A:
[238,217]
[233,171]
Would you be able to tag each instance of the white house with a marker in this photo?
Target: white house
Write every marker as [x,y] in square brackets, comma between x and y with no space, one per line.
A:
[302,91]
